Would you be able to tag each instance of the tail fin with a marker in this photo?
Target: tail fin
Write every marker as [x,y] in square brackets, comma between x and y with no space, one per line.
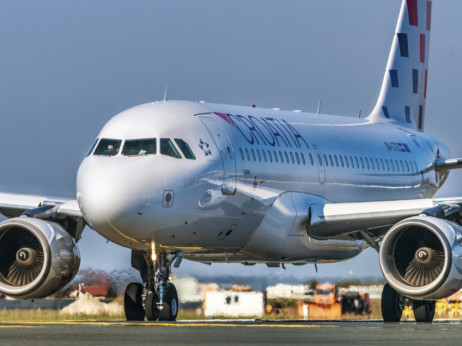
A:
[404,87]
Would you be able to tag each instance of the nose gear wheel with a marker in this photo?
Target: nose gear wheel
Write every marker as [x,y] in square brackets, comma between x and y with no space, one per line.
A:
[157,299]
[170,305]
[133,304]
[152,308]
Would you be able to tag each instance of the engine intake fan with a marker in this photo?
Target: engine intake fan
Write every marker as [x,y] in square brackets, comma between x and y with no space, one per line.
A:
[21,257]
[37,257]
[420,257]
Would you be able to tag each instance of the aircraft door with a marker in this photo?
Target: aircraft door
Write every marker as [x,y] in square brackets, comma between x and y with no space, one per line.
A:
[226,152]
[318,159]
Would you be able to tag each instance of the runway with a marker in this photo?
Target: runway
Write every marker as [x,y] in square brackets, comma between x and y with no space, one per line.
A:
[229,333]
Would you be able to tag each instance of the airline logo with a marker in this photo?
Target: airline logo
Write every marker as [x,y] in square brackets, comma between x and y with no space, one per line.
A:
[265,130]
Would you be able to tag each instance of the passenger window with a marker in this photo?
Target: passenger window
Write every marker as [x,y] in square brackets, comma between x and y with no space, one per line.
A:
[377,164]
[416,168]
[275,155]
[287,156]
[407,166]
[341,160]
[402,165]
[297,158]
[331,161]
[392,165]
[319,160]
[264,155]
[139,147]
[167,148]
[357,162]
[242,154]
[397,165]
[270,156]
[247,154]
[381,163]
[325,161]
[108,147]
[346,162]
[303,158]
[185,149]
[362,162]
[336,160]
[352,162]
[280,156]
[92,147]
[253,154]
[372,163]
[258,155]
[388,164]
[292,158]
[311,159]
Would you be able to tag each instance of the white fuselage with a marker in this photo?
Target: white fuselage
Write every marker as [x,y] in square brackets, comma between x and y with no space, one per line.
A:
[244,197]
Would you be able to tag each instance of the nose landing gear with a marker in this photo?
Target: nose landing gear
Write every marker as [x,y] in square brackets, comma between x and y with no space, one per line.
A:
[158,298]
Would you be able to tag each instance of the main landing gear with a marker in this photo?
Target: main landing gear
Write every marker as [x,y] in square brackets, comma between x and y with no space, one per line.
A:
[157,299]
[393,305]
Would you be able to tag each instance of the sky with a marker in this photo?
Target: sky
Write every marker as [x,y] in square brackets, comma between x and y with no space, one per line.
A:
[67,67]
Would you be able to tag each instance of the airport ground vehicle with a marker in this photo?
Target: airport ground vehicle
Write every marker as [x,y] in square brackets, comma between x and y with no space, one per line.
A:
[326,303]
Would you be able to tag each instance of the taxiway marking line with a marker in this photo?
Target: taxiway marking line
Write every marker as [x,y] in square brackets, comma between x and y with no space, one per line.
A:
[34,323]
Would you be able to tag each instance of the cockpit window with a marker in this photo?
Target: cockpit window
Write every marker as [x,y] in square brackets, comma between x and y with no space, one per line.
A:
[139,147]
[184,147]
[167,148]
[108,147]
[92,147]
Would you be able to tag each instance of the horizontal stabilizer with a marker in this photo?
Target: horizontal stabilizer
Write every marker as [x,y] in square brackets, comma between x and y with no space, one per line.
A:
[449,164]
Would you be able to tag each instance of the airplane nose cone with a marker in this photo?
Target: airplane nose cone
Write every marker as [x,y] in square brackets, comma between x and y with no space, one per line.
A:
[106,192]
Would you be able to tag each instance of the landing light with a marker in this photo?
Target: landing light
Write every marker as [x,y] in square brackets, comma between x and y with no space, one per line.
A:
[153,251]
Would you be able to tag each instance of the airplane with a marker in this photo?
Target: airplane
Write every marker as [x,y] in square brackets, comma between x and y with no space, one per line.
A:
[248,185]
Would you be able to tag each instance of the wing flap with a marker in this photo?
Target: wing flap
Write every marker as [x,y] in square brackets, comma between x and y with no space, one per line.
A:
[332,220]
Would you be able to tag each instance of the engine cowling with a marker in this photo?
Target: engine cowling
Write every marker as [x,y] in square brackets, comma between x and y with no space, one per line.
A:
[37,257]
[421,257]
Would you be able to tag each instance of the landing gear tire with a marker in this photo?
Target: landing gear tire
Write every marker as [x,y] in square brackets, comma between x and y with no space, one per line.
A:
[152,310]
[133,304]
[392,308]
[424,310]
[170,304]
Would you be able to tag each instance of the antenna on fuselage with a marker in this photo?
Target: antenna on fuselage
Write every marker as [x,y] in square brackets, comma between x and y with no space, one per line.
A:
[165,93]
[319,107]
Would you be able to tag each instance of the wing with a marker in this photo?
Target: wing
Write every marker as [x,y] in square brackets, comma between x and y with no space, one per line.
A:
[13,205]
[335,219]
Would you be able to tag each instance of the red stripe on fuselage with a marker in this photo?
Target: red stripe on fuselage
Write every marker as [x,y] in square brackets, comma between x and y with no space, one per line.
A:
[413,13]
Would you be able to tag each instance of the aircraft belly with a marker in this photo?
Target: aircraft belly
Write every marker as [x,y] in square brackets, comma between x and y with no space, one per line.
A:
[282,236]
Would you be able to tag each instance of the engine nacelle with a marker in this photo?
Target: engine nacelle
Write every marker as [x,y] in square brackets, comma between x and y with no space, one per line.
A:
[421,257]
[37,257]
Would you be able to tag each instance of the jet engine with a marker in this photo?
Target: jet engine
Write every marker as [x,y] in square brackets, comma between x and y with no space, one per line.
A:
[421,257]
[37,257]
